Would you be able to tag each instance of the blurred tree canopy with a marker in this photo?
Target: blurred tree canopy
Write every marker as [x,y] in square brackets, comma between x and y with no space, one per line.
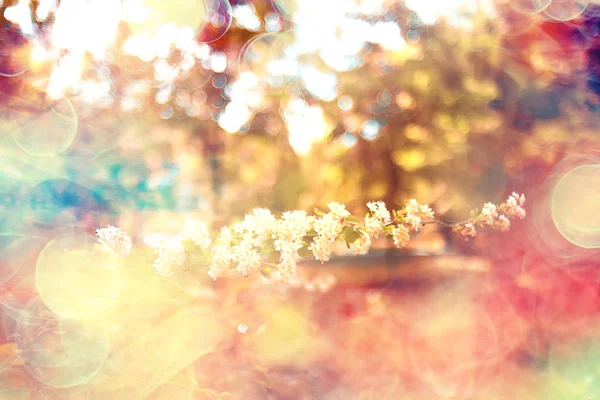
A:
[452,111]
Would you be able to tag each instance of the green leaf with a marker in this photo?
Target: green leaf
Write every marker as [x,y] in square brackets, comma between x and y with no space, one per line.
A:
[305,252]
[310,234]
[189,246]
[269,245]
[319,212]
[350,235]
[197,258]
[352,220]
[272,256]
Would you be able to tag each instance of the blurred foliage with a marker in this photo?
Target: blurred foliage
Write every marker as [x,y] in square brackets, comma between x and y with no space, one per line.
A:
[454,117]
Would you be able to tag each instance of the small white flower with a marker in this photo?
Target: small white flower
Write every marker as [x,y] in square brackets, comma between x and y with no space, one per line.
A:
[286,268]
[413,222]
[245,257]
[489,214]
[380,211]
[197,232]
[467,230]
[114,240]
[414,215]
[170,256]
[361,245]
[502,223]
[338,210]
[515,205]
[401,235]
[374,226]
[225,236]
[288,235]
[290,230]
[378,218]
[520,199]
[426,213]
[220,262]
[257,226]
[322,247]
[328,226]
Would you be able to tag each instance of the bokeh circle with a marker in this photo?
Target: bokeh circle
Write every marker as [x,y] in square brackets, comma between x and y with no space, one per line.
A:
[77,279]
[45,130]
[575,200]
[566,10]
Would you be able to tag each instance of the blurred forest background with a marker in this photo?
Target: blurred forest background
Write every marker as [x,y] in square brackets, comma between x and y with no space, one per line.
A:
[285,105]
[141,114]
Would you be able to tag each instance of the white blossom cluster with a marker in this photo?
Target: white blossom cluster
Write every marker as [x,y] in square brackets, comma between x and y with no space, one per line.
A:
[413,217]
[257,227]
[288,235]
[170,256]
[114,240]
[514,206]
[362,245]
[328,228]
[196,231]
[221,259]
[262,242]
[496,217]
[401,235]
[254,230]
[417,215]
[377,219]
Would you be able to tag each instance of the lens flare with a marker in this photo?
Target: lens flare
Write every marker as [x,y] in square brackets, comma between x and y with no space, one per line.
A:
[41,130]
[217,21]
[211,19]
[255,56]
[575,203]
[148,16]
[77,279]
[15,53]
[572,372]
[19,254]
[529,6]
[64,353]
[286,8]
[155,358]
[566,10]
